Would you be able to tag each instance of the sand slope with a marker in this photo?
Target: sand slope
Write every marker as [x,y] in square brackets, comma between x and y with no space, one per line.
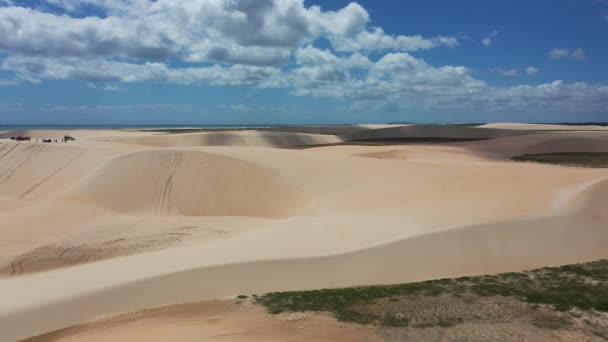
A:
[216,320]
[542,143]
[505,246]
[171,182]
[29,170]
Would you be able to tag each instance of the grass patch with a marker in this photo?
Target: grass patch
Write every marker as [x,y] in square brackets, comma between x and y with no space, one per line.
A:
[582,286]
[586,159]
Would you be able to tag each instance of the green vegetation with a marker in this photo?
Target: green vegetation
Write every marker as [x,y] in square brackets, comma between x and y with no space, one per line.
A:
[581,286]
[587,159]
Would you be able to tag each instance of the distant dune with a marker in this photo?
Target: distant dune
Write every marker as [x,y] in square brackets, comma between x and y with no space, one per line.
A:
[544,127]
[235,138]
[430,131]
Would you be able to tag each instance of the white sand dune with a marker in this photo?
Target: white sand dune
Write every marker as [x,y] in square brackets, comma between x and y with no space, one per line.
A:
[36,171]
[142,281]
[191,183]
[113,225]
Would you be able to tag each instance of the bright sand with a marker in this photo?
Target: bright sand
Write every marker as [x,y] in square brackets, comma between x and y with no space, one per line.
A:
[121,221]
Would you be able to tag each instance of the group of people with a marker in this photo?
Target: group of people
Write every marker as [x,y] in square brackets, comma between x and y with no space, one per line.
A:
[21,138]
[44,140]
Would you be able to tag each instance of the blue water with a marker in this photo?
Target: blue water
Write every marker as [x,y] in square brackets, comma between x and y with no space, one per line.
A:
[148,126]
[122,126]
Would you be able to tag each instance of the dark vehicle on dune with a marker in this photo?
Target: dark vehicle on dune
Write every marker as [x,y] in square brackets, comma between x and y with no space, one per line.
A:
[68,138]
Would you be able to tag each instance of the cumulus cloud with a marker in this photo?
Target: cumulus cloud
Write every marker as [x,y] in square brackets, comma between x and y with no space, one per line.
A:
[248,32]
[488,40]
[532,71]
[261,44]
[556,54]
[399,81]
[559,53]
[34,69]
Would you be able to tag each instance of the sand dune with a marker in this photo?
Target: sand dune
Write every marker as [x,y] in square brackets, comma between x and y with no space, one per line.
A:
[171,182]
[428,131]
[543,127]
[29,170]
[231,138]
[542,143]
[221,320]
[330,129]
[108,224]
[506,246]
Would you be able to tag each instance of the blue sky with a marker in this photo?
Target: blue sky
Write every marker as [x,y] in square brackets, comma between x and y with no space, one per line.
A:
[291,61]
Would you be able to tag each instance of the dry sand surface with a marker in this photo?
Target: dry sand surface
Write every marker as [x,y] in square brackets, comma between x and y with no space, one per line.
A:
[217,320]
[123,221]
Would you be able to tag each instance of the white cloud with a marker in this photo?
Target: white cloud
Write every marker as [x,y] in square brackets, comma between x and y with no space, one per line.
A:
[399,81]
[100,70]
[578,54]
[488,40]
[261,44]
[248,32]
[506,72]
[532,71]
[559,53]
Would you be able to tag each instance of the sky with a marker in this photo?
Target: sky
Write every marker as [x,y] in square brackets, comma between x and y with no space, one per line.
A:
[302,62]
